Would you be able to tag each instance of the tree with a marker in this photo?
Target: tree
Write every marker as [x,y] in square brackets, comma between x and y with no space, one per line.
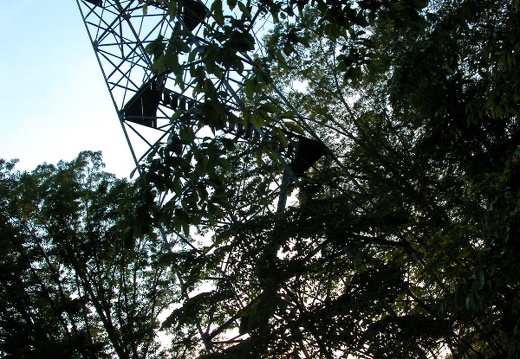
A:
[406,245]
[78,279]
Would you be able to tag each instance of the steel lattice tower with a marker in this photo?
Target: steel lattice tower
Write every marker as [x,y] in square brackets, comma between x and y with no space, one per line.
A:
[121,31]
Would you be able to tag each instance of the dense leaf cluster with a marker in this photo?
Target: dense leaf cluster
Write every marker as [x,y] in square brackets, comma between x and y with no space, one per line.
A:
[76,279]
[405,245]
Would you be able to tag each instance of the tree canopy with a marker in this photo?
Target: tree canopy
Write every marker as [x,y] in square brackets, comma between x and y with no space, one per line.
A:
[76,280]
[404,243]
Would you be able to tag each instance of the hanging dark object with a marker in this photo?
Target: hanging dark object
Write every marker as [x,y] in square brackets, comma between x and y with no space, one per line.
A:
[307,153]
[95,2]
[142,107]
[193,13]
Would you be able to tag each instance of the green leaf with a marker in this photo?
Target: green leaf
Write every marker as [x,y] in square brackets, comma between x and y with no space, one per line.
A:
[172,61]
[224,163]
[257,119]
[186,135]
[156,47]
[269,107]
[218,14]
[176,115]
[246,12]
[232,4]
[176,186]
[280,135]
[186,228]
[397,6]
[159,64]
[172,9]
[273,156]
[218,72]
[251,86]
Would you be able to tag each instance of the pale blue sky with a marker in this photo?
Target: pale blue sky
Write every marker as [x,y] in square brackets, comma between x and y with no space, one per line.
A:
[53,100]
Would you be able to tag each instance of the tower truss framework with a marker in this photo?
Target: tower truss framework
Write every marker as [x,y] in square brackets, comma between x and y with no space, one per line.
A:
[120,31]
[123,32]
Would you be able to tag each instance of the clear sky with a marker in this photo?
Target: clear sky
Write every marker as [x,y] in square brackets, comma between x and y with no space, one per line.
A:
[53,99]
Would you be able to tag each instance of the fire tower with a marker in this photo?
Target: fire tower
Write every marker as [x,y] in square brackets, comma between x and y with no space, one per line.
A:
[123,32]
